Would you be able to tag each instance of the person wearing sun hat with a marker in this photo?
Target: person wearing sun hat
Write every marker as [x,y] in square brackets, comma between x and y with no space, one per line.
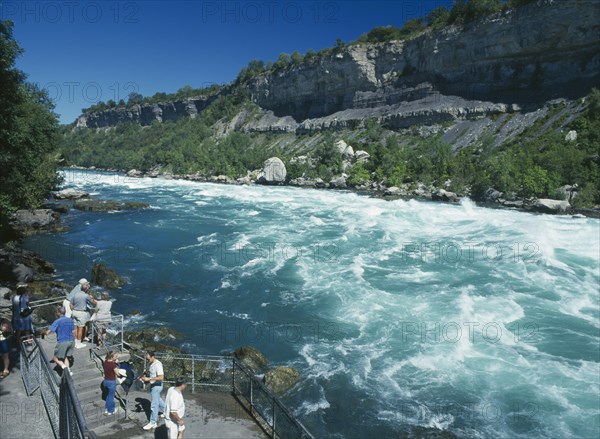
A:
[67,302]
[79,304]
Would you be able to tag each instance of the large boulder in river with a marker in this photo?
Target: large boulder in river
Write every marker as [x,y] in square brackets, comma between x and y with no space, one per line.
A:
[106,277]
[274,172]
[547,205]
[281,379]
[70,194]
[252,358]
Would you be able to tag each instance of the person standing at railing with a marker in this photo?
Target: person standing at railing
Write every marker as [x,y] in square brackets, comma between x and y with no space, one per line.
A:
[5,334]
[65,337]
[22,324]
[175,409]
[111,372]
[155,377]
[69,297]
[101,318]
[79,304]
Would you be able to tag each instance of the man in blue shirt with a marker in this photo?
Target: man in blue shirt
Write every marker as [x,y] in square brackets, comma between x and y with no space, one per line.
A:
[65,337]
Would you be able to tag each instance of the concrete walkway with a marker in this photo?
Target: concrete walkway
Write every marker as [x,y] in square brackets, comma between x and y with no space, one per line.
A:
[21,416]
[208,414]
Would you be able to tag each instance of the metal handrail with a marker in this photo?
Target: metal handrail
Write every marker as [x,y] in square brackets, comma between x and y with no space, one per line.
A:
[36,303]
[62,393]
[118,320]
[256,383]
[275,401]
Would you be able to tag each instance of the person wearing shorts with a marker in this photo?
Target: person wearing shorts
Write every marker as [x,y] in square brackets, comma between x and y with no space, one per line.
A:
[65,337]
[79,303]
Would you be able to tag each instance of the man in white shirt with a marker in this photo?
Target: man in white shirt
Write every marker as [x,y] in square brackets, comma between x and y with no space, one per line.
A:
[155,377]
[175,410]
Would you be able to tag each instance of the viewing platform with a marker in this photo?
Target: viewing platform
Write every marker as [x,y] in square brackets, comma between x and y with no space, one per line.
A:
[222,397]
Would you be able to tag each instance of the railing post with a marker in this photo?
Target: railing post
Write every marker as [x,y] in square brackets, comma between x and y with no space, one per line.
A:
[193,373]
[122,334]
[251,400]
[233,376]
[92,327]
[273,405]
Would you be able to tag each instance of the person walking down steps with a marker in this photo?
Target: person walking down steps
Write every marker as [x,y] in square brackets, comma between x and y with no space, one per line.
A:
[65,339]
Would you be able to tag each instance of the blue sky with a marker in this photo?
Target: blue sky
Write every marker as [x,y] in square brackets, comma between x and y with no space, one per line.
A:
[85,51]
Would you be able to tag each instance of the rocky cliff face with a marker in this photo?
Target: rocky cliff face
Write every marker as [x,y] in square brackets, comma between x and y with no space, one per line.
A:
[513,61]
[524,57]
[145,114]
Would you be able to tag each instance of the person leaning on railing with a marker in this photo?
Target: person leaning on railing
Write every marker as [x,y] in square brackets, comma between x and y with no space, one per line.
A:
[101,318]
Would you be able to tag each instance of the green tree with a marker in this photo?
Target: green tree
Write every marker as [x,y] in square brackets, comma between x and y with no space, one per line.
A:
[28,134]
[134,98]
[382,34]
[438,17]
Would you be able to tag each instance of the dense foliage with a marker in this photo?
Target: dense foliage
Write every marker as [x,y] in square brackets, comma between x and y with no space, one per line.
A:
[28,134]
[182,147]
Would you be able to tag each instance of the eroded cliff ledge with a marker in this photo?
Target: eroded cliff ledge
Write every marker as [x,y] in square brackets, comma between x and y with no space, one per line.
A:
[512,61]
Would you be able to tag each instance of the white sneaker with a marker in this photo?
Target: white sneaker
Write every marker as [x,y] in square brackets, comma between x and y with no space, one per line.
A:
[80,345]
[149,426]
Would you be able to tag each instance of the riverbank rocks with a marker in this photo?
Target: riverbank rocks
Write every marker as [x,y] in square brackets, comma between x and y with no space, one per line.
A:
[547,205]
[346,150]
[444,195]
[154,335]
[492,195]
[338,182]
[90,205]
[135,173]
[60,207]
[252,358]
[20,266]
[31,222]
[274,172]
[393,191]
[221,179]
[70,194]
[281,379]
[106,277]
[571,136]
[362,156]
[303,182]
